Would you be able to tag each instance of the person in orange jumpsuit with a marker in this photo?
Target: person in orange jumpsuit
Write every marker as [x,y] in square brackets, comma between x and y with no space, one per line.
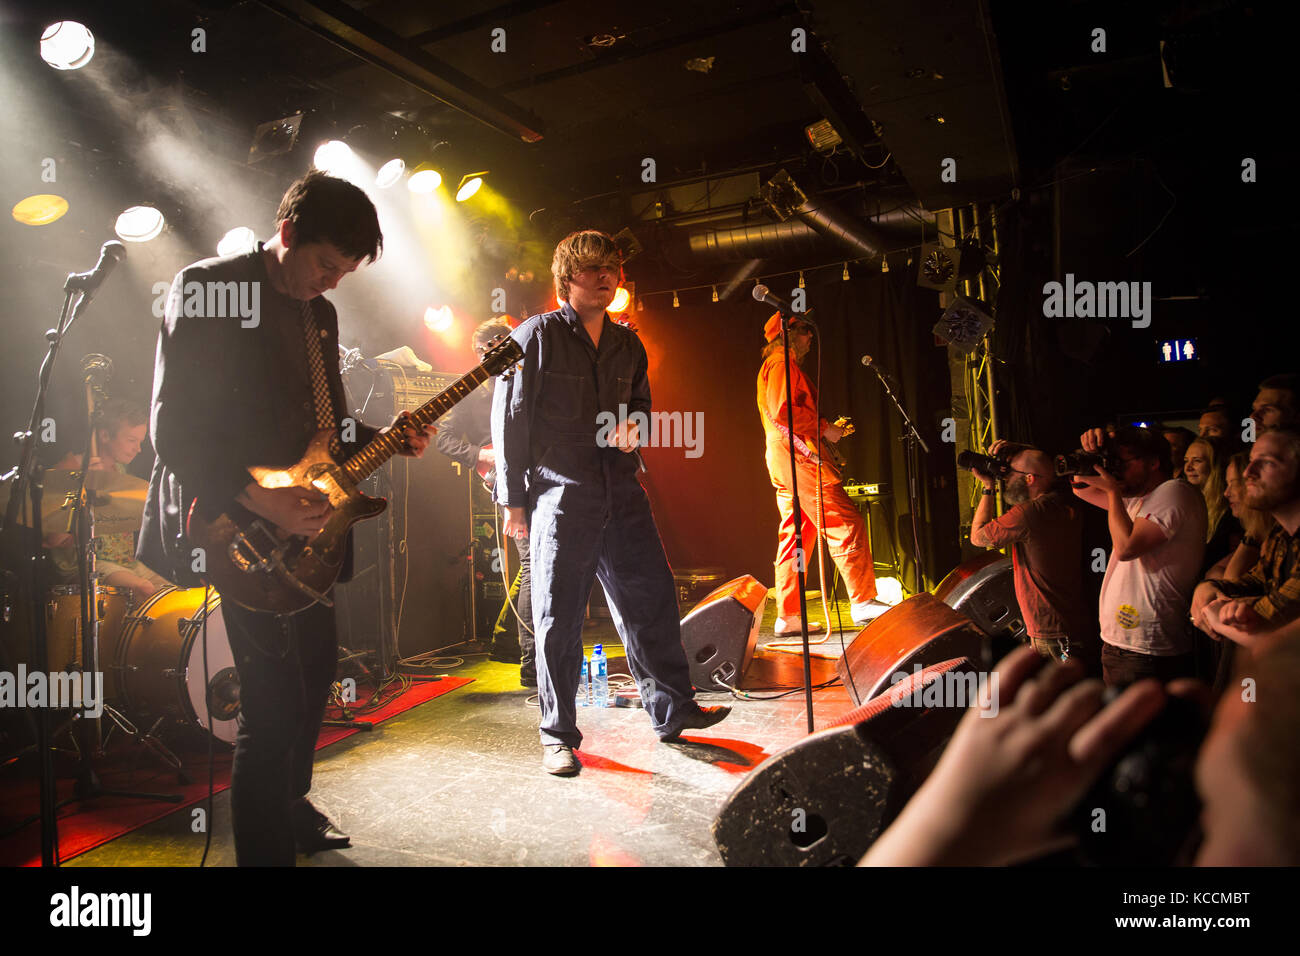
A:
[846,532]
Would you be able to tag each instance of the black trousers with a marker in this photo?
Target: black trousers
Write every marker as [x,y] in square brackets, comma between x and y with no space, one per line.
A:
[1122,667]
[286,666]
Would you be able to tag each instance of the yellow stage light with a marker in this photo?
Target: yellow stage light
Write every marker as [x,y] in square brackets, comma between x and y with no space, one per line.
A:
[424,181]
[40,210]
[621,301]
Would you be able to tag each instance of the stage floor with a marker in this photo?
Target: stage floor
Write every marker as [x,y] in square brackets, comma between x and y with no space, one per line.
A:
[458,780]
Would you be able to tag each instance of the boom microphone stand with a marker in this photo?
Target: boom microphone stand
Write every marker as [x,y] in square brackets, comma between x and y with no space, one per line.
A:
[910,439]
[28,476]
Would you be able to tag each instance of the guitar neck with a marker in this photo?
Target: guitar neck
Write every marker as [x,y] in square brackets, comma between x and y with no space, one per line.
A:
[383,447]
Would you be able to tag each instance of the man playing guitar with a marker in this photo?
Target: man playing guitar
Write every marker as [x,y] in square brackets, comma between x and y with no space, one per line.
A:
[845,529]
[230,395]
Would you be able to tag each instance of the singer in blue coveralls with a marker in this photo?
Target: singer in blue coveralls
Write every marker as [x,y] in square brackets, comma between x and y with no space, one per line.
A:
[571,487]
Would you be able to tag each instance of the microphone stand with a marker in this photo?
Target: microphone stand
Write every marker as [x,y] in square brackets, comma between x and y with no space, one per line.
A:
[28,480]
[89,735]
[910,439]
[798,521]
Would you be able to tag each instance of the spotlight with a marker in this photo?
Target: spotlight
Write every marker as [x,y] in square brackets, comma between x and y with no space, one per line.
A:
[331,156]
[40,210]
[139,224]
[424,181]
[438,320]
[237,240]
[67,45]
[390,173]
[621,301]
[469,185]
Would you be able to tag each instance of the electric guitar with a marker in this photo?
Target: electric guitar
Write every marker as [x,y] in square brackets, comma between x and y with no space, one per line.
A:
[252,562]
[830,452]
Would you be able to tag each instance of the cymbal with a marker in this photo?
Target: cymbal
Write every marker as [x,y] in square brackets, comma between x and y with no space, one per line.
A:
[118,500]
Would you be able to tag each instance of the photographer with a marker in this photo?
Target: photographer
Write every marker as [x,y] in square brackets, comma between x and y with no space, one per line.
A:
[1044,530]
[1157,530]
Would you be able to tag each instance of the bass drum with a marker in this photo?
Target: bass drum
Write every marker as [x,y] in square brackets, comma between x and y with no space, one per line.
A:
[160,663]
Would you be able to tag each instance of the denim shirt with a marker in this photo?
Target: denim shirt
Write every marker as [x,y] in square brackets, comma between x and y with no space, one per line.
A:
[544,417]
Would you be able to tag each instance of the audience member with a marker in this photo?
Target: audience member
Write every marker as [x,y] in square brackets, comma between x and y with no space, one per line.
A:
[1276,405]
[1157,528]
[1204,469]
[1216,422]
[1006,784]
[1179,439]
[1043,528]
[1268,594]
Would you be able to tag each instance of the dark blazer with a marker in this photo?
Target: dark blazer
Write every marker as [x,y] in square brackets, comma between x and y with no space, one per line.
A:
[228,394]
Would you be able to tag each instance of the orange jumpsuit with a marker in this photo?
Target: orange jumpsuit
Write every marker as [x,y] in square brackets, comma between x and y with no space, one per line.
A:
[846,532]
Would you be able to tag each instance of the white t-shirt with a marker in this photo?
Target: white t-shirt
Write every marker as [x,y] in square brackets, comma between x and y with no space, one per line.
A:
[1145,601]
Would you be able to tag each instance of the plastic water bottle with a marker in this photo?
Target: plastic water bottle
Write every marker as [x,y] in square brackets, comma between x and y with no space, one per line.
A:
[584,687]
[599,677]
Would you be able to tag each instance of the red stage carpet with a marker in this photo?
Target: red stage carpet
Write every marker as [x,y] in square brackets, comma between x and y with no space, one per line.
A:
[84,826]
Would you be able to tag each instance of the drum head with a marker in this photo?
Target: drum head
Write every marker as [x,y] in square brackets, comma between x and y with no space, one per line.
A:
[218,696]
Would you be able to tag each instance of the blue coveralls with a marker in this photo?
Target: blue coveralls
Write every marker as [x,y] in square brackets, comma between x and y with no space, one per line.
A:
[588,516]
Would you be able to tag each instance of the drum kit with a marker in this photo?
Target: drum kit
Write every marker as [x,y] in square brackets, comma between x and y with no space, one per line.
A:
[159,666]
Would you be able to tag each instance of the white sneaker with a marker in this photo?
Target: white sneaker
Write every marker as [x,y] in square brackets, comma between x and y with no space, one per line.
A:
[866,613]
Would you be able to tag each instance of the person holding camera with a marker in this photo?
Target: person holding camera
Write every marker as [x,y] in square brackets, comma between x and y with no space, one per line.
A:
[1044,530]
[1157,529]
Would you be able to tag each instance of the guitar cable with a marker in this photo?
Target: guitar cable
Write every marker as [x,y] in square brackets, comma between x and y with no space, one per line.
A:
[207,824]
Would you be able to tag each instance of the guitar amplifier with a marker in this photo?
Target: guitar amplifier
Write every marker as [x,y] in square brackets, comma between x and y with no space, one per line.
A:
[409,389]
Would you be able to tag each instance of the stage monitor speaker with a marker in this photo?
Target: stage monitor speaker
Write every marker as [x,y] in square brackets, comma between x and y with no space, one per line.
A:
[917,633]
[824,800]
[720,632]
[984,589]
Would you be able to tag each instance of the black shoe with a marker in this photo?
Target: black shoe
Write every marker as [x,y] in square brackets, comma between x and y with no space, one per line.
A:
[559,760]
[313,831]
[527,678]
[697,719]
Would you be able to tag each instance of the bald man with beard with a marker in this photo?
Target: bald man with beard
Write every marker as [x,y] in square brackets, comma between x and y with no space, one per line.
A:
[1044,529]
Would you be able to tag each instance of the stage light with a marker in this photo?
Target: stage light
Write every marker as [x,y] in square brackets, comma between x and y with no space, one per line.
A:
[715,293]
[438,320]
[424,181]
[845,274]
[801,285]
[469,185]
[237,240]
[390,173]
[331,156]
[676,303]
[40,210]
[621,301]
[67,45]
[139,224]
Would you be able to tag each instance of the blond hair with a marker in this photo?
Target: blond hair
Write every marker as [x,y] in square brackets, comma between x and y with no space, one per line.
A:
[579,250]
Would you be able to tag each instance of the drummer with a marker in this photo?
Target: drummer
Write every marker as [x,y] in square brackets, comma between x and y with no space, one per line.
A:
[123,425]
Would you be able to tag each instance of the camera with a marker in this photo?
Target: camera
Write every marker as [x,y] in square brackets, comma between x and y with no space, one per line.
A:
[990,465]
[1086,462]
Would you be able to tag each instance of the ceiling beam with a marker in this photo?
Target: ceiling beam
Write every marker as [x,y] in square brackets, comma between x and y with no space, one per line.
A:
[379,46]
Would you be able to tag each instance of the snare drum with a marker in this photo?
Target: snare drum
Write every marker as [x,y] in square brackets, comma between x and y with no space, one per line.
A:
[64,644]
[160,662]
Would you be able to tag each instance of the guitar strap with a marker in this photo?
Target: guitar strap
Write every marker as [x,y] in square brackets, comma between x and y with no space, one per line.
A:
[799,444]
[320,385]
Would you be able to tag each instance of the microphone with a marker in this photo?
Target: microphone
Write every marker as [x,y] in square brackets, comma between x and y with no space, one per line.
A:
[867,360]
[761,293]
[110,254]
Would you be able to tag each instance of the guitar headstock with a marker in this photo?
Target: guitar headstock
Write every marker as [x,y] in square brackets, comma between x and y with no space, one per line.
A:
[502,355]
[845,424]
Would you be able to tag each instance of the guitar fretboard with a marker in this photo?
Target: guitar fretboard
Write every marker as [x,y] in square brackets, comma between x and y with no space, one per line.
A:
[383,447]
